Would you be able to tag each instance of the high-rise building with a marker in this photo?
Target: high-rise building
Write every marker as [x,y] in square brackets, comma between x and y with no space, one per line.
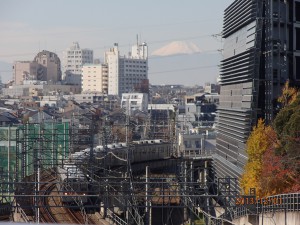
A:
[95,78]
[73,59]
[125,73]
[261,52]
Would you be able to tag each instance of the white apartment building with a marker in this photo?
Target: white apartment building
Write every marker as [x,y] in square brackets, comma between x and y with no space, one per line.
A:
[95,78]
[126,72]
[74,58]
[134,101]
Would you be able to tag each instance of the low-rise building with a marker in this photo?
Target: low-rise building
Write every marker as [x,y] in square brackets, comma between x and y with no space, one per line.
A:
[134,101]
[39,89]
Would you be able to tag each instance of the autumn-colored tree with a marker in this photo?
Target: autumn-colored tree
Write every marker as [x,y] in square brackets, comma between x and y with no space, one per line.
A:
[289,94]
[261,138]
[274,177]
[273,165]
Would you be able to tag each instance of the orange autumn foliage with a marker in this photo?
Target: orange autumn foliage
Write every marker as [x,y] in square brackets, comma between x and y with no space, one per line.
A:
[289,95]
[262,138]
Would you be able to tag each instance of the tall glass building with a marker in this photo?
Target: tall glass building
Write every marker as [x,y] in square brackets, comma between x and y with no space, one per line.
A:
[261,52]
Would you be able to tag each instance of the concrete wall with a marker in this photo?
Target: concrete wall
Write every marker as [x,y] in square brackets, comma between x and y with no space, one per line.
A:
[291,218]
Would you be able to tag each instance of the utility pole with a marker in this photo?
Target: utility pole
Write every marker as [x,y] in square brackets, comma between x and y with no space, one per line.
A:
[148,209]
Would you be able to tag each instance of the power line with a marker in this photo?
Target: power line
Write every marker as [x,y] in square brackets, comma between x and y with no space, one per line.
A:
[185,69]
[105,29]
[122,45]
[195,53]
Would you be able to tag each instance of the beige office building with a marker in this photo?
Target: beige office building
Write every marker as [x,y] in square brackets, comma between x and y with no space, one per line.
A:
[24,70]
[95,78]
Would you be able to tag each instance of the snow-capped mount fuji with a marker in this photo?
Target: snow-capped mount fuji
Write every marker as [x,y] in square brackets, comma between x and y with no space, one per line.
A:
[177,48]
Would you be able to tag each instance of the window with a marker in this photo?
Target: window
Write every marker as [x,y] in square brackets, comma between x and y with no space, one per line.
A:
[297,9]
[298,67]
[297,38]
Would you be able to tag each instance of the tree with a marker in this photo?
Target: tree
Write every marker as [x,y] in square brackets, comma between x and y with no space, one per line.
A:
[288,96]
[287,126]
[273,165]
[274,177]
[261,138]
[281,163]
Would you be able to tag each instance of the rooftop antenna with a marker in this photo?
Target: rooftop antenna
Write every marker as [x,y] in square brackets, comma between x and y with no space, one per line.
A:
[137,45]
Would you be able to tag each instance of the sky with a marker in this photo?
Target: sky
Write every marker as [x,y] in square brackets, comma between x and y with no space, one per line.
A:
[29,26]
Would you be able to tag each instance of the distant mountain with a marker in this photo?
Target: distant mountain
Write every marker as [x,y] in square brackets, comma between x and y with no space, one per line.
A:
[177,48]
[186,69]
[5,71]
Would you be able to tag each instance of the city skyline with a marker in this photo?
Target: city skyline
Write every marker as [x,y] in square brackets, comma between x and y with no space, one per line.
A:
[29,30]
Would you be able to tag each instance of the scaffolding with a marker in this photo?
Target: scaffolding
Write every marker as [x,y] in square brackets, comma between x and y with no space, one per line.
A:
[47,143]
[162,124]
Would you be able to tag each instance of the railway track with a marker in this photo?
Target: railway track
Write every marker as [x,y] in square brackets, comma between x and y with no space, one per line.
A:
[45,212]
[48,184]
[50,206]
[77,216]
[62,214]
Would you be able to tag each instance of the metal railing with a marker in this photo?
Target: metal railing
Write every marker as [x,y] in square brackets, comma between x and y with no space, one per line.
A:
[198,153]
[276,203]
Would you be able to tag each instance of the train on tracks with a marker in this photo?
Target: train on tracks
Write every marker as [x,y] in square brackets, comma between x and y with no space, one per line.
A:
[72,185]
[117,154]
[75,186]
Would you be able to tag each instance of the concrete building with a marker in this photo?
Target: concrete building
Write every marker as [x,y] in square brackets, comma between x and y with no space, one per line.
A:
[24,70]
[39,89]
[261,52]
[211,88]
[73,59]
[88,98]
[134,101]
[195,145]
[126,73]
[49,67]
[44,67]
[95,78]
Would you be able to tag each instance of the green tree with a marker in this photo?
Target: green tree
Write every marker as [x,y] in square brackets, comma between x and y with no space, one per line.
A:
[287,126]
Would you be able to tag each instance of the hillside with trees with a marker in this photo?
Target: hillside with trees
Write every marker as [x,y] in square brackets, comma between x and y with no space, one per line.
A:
[273,165]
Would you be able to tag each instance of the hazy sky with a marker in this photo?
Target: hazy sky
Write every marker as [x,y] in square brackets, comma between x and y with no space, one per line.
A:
[28,26]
